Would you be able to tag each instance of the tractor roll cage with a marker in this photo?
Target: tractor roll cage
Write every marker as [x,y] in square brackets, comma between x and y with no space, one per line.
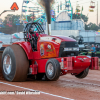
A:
[30,29]
[36,28]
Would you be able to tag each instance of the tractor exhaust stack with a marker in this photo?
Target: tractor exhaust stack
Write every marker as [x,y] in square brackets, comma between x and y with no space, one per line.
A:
[46,4]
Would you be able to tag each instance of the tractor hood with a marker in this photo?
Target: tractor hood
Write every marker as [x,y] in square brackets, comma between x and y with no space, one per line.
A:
[62,45]
[64,38]
[57,38]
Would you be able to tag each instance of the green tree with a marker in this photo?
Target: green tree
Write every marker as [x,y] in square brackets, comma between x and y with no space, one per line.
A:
[14,28]
[81,16]
[92,26]
[13,19]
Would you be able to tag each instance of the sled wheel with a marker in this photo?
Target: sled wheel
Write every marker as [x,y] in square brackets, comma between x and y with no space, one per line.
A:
[14,63]
[52,70]
[83,74]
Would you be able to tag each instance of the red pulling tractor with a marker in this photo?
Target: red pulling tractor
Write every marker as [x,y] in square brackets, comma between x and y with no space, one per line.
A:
[44,55]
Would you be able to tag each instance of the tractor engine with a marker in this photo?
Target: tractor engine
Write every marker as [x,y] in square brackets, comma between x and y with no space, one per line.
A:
[68,49]
[58,46]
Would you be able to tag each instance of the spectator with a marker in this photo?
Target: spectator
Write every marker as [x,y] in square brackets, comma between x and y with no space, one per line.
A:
[97,48]
[93,50]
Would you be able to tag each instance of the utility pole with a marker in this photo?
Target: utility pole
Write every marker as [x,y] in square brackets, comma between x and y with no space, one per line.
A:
[97,13]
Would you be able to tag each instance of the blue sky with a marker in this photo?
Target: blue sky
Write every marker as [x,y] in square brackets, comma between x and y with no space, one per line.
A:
[6,4]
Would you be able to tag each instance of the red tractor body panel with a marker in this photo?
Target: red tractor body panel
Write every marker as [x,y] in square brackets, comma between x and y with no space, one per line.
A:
[42,43]
[68,65]
[27,48]
[48,47]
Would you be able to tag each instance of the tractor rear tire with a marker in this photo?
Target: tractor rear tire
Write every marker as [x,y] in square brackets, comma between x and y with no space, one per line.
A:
[52,70]
[15,63]
[83,74]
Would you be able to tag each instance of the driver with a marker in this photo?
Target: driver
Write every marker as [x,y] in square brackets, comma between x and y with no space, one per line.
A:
[34,37]
[34,33]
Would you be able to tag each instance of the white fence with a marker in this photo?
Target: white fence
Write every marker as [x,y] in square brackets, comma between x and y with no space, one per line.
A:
[88,36]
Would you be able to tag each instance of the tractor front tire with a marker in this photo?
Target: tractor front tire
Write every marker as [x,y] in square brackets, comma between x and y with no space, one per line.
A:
[83,74]
[52,70]
[14,63]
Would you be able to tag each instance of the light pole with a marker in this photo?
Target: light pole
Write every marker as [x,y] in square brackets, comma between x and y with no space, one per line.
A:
[97,13]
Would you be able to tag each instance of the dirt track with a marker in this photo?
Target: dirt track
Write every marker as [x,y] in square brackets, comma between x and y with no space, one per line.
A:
[67,87]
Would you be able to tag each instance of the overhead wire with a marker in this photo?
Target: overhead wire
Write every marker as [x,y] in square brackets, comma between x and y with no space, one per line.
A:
[79,2]
[82,3]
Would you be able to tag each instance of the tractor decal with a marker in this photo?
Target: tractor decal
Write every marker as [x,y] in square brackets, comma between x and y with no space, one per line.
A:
[41,49]
[47,50]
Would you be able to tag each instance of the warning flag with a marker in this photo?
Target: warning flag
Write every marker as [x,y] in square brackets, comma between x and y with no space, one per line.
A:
[14,6]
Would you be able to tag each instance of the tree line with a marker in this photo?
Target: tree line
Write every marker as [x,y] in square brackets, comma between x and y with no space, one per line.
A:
[11,24]
[90,26]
